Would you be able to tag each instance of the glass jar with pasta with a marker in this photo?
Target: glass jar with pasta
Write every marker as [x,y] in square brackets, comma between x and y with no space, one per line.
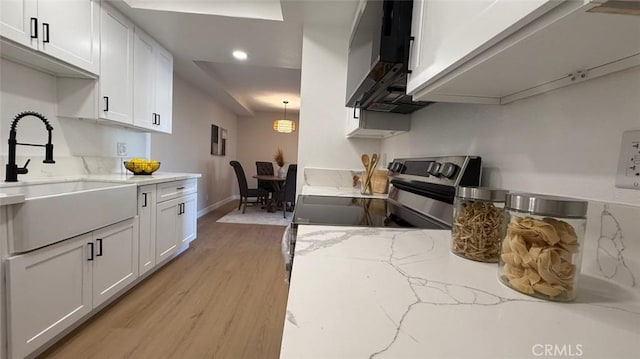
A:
[542,247]
[477,223]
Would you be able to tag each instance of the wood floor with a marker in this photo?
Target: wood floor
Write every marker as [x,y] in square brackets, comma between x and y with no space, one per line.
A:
[225,297]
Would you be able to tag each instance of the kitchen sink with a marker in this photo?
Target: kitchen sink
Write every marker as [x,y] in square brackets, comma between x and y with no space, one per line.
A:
[53,212]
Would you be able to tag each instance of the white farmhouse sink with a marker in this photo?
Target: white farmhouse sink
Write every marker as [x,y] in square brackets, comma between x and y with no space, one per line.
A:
[53,212]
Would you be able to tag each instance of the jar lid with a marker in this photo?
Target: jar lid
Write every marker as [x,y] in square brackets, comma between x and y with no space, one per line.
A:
[547,205]
[482,193]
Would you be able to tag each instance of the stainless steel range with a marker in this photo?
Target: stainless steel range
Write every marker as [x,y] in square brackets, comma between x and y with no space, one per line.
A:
[421,196]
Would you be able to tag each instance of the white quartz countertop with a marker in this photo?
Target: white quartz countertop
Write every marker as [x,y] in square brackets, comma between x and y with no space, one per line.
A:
[338,192]
[400,293]
[158,177]
[142,180]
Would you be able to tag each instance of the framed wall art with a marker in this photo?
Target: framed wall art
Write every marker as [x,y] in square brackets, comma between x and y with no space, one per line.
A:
[218,141]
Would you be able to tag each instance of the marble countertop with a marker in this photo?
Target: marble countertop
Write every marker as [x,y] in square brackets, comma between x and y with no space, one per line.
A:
[338,192]
[158,177]
[400,293]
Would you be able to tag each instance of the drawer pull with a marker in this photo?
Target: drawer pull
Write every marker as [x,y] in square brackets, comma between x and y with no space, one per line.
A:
[90,251]
[34,28]
[179,188]
[45,29]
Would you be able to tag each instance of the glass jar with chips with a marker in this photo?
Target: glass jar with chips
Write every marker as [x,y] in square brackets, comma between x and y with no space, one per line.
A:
[477,223]
[542,246]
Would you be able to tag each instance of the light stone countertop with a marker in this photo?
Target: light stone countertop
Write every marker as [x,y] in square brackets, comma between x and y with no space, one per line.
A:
[158,177]
[400,293]
[338,192]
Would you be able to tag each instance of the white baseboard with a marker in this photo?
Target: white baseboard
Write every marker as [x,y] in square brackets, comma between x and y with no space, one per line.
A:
[216,205]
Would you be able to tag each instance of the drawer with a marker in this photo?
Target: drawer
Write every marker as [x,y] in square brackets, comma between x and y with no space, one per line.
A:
[175,189]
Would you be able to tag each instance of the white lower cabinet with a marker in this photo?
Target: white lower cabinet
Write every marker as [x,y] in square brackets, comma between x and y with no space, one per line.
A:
[176,225]
[147,225]
[116,259]
[166,230]
[47,290]
[187,220]
[51,288]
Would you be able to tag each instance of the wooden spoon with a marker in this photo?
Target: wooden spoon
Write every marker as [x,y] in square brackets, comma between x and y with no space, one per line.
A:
[372,169]
[366,164]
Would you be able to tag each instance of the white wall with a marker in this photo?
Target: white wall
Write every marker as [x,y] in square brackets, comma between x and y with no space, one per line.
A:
[259,142]
[22,89]
[563,142]
[322,141]
[188,148]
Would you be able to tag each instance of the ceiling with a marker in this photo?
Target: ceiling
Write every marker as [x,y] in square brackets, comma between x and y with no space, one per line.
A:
[202,44]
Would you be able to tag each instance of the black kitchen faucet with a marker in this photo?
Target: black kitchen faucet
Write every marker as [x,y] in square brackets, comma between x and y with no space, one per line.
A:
[13,170]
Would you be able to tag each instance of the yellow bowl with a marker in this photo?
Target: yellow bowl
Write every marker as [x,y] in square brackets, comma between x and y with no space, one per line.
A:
[142,168]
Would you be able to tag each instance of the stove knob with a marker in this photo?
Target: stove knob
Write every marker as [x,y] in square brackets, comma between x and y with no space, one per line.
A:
[390,166]
[449,170]
[434,168]
[397,167]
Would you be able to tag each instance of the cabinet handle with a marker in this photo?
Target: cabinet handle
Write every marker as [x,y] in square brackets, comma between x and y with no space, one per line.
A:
[153,116]
[90,251]
[179,209]
[354,110]
[144,204]
[411,39]
[34,28]
[45,30]
[106,103]
[99,254]
[158,120]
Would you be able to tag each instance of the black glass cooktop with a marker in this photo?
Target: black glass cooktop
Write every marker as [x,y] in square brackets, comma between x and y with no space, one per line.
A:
[351,211]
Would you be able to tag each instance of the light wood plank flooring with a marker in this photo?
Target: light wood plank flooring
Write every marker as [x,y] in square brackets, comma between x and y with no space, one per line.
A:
[225,297]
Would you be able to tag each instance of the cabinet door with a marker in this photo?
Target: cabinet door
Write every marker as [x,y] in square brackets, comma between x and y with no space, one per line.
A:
[166,229]
[70,31]
[116,259]
[143,80]
[353,119]
[18,19]
[48,290]
[116,66]
[187,220]
[147,223]
[449,33]
[164,89]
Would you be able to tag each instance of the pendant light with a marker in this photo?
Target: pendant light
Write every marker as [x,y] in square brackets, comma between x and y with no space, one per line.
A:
[284,125]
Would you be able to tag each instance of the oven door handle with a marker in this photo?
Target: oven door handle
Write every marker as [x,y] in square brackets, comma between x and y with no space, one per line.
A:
[444,194]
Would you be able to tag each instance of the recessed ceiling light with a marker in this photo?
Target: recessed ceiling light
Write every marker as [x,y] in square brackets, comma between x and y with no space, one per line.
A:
[240,55]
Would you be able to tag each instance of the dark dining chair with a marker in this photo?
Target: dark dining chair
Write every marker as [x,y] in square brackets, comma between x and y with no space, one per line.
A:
[246,192]
[287,194]
[265,169]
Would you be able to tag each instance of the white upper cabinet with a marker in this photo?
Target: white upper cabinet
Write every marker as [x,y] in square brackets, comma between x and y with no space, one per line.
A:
[497,52]
[371,124]
[164,89]
[19,21]
[448,33]
[135,87]
[153,84]
[65,30]
[144,80]
[116,67]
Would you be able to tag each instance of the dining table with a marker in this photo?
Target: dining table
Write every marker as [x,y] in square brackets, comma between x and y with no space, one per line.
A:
[276,183]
